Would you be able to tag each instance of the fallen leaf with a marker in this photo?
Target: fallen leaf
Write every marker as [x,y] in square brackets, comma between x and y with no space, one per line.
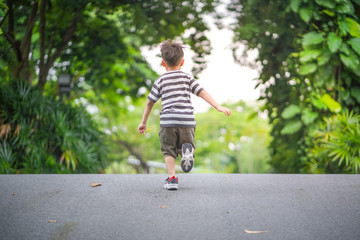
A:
[13,193]
[251,232]
[94,184]
[162,206]
[52,221]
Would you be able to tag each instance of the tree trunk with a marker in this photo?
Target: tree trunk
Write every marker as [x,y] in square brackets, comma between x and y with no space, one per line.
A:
[22,49]
[135,153]
[24,71]
[43,71]
[45,67]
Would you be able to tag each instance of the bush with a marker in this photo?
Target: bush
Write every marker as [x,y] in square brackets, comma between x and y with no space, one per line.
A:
[337,141]
[40,134]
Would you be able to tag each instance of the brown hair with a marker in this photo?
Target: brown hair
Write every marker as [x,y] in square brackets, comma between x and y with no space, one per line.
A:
[172,53]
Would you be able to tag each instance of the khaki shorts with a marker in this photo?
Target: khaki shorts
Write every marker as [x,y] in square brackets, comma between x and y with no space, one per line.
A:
[172,138]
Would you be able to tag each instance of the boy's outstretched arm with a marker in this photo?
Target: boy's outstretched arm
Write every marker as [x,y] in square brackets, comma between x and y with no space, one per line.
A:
[209,99]
[143,124]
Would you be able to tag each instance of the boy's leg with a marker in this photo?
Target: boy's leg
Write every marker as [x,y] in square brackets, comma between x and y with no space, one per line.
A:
[170,165]
[171,183]
[168,140]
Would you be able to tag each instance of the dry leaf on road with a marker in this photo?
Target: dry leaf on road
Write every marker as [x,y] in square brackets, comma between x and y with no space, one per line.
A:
[13,193]
[52,221]
[251,232]
[162,206]
[94,184]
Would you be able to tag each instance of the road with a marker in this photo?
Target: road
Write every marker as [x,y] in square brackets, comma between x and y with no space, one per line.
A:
[206,206]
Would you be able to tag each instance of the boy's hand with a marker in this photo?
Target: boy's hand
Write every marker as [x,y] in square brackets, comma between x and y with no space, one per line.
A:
[224,110]
[142,128]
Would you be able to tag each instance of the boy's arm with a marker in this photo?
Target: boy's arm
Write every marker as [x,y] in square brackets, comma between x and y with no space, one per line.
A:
[209,99]
[143,124]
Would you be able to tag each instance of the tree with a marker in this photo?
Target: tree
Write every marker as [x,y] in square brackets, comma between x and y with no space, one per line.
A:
[99,43]
[96,38]
[309,60]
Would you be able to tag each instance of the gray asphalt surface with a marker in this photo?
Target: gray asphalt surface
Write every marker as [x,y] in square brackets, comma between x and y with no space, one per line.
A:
[206,206]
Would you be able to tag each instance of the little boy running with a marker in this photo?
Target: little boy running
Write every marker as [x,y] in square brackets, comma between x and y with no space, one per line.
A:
[177,120]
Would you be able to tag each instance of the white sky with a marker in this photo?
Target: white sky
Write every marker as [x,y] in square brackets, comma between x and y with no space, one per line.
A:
[225,80]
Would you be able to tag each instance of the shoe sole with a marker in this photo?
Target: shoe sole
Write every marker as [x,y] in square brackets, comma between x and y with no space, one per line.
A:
[187,162]
[171,186]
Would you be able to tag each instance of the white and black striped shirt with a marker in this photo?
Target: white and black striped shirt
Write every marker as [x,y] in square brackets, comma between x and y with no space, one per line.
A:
[174,88]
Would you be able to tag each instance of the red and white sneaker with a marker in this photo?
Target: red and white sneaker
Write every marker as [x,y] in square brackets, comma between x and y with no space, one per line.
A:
[171,183]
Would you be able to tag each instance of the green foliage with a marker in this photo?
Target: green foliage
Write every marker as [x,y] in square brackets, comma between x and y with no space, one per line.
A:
[39,134]
[332,105]
[355,44]
[338,141]
[308,116]
[309,53]
[7,158]
[311,39]
[334,42]
[291,127]
[235,144]
[97,40]
[290,111]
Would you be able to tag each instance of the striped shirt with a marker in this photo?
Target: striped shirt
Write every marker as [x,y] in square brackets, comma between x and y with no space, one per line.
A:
[175,88]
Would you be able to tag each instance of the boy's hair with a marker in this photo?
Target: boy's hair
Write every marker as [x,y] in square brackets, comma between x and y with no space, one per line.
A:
[172,53]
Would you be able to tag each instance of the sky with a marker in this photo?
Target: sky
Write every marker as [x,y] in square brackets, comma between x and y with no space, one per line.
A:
[224,79]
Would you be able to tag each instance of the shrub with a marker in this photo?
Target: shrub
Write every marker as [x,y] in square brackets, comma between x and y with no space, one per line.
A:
[338,141]
[41,134]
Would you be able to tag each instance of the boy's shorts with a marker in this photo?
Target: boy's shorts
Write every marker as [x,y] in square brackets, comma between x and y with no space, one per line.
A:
[172,139]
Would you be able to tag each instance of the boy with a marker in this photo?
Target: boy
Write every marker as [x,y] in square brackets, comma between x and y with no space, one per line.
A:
[177,120]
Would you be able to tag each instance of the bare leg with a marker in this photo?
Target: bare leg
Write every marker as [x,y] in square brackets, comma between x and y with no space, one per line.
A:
[170,165]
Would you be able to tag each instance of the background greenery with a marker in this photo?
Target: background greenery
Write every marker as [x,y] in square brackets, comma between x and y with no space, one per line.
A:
[309,77]
[223,145]
[309,59]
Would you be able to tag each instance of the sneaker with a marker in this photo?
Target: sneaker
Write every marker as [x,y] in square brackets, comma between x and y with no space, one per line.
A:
[171,183]
[187,161]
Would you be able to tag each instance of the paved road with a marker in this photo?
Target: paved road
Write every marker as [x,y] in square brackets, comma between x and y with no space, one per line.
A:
[206,206]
